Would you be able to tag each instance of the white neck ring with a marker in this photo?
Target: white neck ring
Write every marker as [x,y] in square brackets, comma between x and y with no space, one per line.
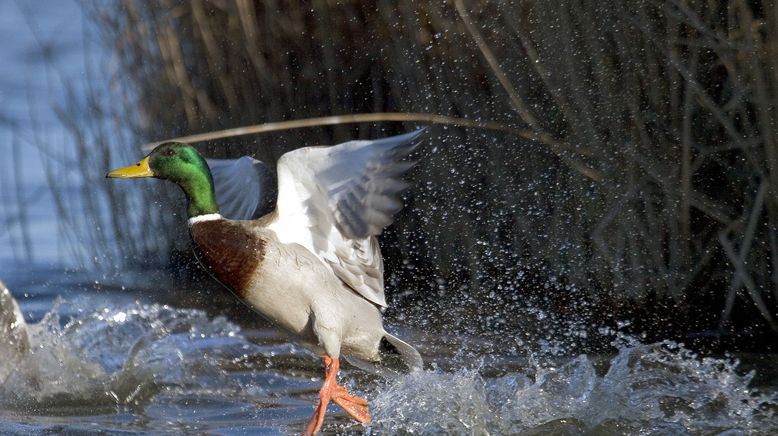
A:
[206,217]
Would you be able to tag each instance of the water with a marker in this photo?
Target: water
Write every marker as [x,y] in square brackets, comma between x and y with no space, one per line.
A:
[113,360]
[43,51]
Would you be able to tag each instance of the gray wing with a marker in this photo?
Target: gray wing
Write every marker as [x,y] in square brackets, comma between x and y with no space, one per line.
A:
[335,200]
[363,182]
[245,187]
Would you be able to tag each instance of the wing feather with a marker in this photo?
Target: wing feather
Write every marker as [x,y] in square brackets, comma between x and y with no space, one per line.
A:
[244,187]
[335,200]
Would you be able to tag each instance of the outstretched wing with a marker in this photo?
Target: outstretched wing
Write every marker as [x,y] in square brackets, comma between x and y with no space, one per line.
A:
[335,200]
[244,187]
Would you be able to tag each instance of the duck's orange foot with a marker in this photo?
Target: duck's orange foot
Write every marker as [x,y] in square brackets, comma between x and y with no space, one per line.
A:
[353,405]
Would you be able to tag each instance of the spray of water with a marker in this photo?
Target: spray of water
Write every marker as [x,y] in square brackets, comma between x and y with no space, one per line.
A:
[115,356]
[659,388]
[131,356]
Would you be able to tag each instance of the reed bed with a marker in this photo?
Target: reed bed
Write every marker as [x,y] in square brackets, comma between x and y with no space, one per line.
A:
[650,177]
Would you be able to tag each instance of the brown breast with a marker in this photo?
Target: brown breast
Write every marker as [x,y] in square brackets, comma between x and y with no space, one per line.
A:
[230,252]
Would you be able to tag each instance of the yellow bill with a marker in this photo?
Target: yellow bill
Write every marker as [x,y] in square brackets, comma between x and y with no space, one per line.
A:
[140,169]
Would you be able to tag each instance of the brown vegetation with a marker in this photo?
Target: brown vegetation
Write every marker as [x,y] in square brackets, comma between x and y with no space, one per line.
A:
[652,174]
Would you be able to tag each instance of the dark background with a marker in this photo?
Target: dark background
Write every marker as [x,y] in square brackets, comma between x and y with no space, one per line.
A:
[647,191]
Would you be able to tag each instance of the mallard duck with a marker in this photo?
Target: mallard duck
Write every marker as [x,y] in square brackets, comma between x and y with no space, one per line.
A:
[312,265]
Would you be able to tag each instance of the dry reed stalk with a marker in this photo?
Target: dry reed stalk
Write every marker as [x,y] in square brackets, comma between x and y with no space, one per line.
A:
[21,202]
[745,249]
[337,120]
[354,119]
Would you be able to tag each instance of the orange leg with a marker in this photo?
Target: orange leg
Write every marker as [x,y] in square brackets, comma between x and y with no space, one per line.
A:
[355,406]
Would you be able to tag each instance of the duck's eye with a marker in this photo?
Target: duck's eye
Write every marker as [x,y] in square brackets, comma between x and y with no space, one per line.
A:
[170,152]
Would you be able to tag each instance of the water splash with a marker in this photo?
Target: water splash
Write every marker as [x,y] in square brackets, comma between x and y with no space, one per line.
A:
[179,368]
[118,355]
[655,388]
[14,341]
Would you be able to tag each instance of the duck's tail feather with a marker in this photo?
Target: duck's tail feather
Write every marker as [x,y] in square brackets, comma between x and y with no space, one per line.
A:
[392,346]
[397,357]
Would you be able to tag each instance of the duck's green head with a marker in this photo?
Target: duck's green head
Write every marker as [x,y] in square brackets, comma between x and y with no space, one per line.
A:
[183,165]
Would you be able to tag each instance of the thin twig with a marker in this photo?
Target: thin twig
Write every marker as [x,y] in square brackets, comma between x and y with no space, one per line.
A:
[561,149]
[518,103]
[745,248]
[740,269]
[354,118]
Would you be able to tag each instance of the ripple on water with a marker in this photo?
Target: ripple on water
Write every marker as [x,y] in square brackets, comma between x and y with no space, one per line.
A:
[139,366]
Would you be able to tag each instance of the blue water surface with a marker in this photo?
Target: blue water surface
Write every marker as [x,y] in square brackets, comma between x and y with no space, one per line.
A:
[44,52]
